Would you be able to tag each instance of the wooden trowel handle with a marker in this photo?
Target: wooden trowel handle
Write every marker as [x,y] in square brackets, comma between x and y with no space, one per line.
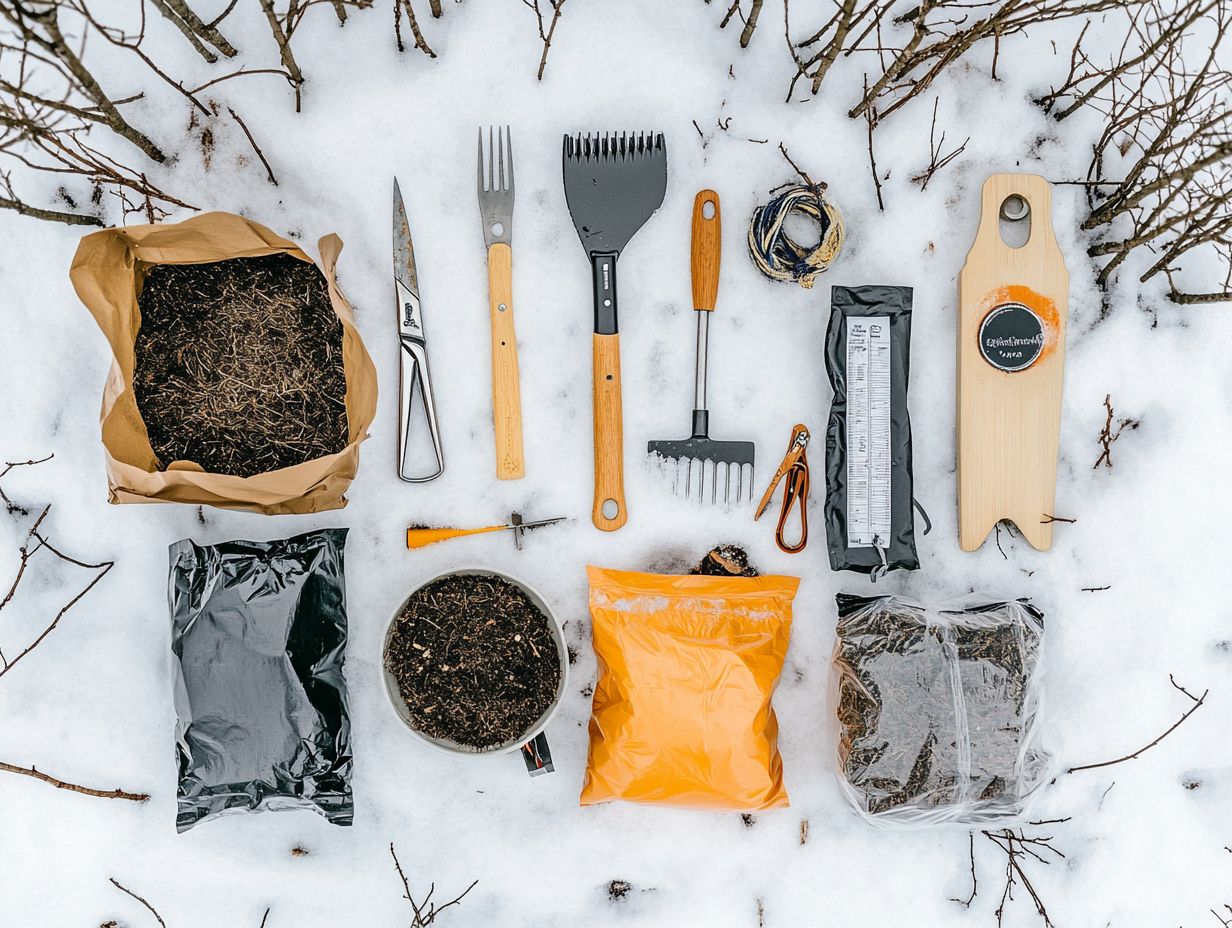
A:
[707,249]
[609,435]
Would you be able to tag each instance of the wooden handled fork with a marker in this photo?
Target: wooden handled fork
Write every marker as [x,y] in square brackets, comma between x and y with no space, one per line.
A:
[496,208]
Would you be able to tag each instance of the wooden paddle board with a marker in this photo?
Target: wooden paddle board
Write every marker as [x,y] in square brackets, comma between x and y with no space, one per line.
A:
[1013,310]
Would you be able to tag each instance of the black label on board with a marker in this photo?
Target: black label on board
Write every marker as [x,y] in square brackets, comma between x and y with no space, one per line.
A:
[1011,337]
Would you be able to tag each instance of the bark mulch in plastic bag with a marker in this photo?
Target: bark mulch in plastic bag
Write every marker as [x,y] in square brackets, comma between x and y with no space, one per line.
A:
[939,709]
[243,354]
[682,710]
[258,637]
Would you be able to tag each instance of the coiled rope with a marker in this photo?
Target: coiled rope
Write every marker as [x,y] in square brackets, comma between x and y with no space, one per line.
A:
[777,254]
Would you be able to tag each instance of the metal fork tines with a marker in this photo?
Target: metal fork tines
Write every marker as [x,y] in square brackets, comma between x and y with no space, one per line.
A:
[496,196]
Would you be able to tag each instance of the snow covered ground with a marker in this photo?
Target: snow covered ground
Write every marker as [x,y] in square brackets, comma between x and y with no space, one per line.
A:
[1146,842]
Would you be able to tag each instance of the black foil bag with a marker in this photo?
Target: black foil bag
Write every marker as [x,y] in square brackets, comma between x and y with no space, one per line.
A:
[258,639]
[900,552]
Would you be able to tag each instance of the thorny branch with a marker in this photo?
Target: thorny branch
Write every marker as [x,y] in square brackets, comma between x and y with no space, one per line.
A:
[1110,433]
[1198,702]
[425,911]
[546,34]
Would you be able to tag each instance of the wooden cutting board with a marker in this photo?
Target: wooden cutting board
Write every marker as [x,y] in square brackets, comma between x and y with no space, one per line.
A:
[1013,310]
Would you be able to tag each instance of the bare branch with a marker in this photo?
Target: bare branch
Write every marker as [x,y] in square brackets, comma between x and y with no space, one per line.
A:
[153,911]
[545,33]
[1198,702]
[61,784]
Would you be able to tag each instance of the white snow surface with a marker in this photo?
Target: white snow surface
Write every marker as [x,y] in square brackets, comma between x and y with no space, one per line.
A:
[1146,842]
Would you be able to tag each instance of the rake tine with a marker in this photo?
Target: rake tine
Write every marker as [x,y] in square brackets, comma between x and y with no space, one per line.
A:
[714,483]
[727,485]
[688,479]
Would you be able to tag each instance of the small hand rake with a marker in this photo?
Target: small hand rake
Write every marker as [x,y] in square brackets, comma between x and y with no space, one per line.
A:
[700,447]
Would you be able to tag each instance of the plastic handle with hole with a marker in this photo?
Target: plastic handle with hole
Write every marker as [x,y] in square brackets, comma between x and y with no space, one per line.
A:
[506,387]
[609,435]
[707,250]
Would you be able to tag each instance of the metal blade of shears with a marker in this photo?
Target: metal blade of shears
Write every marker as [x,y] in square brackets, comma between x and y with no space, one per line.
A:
[413,368]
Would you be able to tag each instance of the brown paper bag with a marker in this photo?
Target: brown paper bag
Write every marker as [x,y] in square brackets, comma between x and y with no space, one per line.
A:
[107,272]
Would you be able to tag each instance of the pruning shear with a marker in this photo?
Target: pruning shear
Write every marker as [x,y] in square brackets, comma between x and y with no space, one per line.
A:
[796,472]
[413,370]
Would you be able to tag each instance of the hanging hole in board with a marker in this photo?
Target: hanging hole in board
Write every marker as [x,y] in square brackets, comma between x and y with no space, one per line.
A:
[708,209]
[611,509]
[1014,221]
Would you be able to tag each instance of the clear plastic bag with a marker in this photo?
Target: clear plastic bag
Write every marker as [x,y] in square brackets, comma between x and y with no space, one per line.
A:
[939,709]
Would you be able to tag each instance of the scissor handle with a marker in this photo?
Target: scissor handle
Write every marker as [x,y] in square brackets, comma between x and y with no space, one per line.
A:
[414,371]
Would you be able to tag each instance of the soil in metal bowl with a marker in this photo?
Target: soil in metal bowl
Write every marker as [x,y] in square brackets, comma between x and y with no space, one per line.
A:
[239,365]
[475,660]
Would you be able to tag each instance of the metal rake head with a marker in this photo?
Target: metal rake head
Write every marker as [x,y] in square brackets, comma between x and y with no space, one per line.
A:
[707,462]
[496,196]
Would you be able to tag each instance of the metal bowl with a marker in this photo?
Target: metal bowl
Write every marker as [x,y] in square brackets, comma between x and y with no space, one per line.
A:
[452,747]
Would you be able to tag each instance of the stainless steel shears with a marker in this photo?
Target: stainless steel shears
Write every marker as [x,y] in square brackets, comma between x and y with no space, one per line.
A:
[413,369]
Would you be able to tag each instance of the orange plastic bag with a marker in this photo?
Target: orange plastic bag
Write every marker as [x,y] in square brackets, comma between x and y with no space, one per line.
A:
[687,665]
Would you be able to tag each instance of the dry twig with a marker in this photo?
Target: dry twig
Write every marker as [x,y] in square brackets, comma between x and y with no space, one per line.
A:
[750,21]
[1159,182]
[545,34]
[425,911]
[844,32]
[416,33]
[35,541]
[73,787]
[870,117]
[283,26]
[1110,433]
[124,889]
[1198,702]
[939,158]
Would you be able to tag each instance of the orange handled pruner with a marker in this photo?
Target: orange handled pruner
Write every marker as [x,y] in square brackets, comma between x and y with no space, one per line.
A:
[795,469]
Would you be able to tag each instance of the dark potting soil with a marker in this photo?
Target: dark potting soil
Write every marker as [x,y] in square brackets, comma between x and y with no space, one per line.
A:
[239,365]
[475,660]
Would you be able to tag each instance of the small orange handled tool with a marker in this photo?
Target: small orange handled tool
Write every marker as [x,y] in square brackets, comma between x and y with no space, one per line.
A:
[795,469]
[421,536]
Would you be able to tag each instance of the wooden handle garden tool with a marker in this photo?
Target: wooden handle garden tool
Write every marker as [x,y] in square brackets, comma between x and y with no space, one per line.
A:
[496,208]
[613,183]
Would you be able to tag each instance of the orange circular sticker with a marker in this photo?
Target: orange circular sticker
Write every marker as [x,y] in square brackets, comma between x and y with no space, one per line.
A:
[1018,328]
